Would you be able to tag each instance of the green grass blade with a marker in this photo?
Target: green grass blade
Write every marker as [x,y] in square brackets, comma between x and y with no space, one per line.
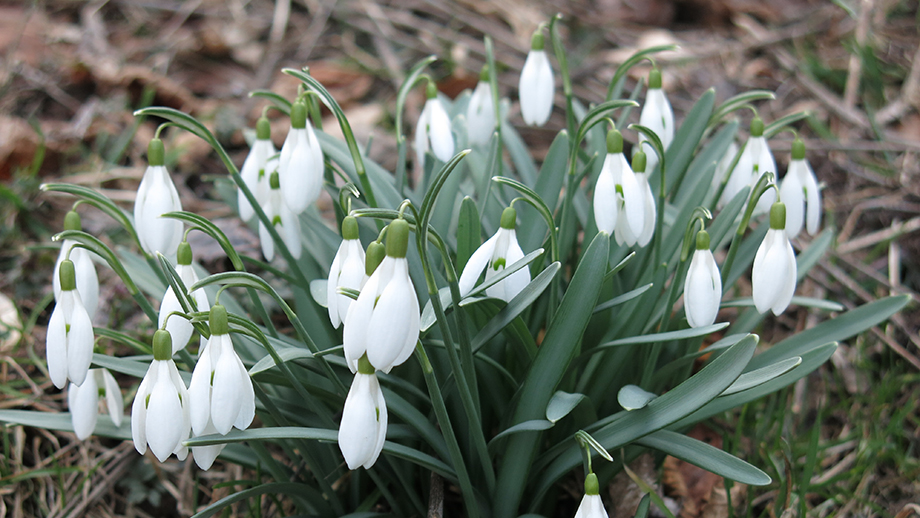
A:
[705,456]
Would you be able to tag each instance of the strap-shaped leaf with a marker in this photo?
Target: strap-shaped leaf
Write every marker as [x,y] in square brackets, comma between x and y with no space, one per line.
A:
[705,456]
[98,200]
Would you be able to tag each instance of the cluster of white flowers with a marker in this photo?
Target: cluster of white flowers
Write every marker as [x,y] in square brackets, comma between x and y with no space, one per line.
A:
[623,201]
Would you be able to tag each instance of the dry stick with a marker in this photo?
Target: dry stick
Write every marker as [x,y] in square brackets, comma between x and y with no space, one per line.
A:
[436,500]
[871,239]
[854,71]
[910,95]
[384,27]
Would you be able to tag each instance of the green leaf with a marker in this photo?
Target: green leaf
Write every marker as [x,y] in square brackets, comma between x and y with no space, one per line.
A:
[534,425]
[182,120]
[291,489]
[634,397]
[762,375]
[626,297]
[811,255]
[739,101]
[411,80]
[468,232]
[279,101]
[561,404]
[776,126]
[705,456]
[286,355]
[318,291]
[691,332]
[805,302]
[97,200]
[205,225]
[61,421]
[616,82]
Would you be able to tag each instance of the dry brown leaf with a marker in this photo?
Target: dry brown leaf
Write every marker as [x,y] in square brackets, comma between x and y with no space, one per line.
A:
[691,484]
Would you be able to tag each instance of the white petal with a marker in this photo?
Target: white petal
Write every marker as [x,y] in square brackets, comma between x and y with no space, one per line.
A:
[226,389]
[56,345]
[268,246]
[354,335]
[771,271]
[252,167]
[392,324]
[536,88]
[180,329]
[764,163]
[160,234]
[740,176]
[650,216]
[793,197]
[605,197]
[87,280]
[113,398]
[813,196]
[199,391]
[359,427]
[411,338]
[139,409]
[476,264]
[787,283]
[295,182]
[702,290]
[290,231]
[421,135]
[332,281]
[83,402]
[633,197]
[381,421]
[205,455]
[591,507]
[442,140]
[164,415]
[352,275]
[247,398]
[480,114]
[79,343]
[722,169]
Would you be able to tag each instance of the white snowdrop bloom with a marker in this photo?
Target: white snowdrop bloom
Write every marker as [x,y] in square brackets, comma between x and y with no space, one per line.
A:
[87,280]
[83,401]
[206,455]
[722,170]
[384,321]
[301,162]
[537,85]
[498,252]
[638,226]
[591,504]
[773,277]
[69,341]
[658,116]
[433,129]
[703,286]
[755,160]
[617,194]
[180,329]
[347,271]
[160,412]
[221,390]
[254,171]
[157,195]
[480,112]
[800,194]
[364,419]
[286,223]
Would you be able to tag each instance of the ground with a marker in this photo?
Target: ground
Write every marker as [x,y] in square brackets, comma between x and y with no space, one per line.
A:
[73,72]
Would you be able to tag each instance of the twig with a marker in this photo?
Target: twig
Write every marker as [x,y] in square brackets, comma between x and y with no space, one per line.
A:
[854,71]
[892,232]
[436,500]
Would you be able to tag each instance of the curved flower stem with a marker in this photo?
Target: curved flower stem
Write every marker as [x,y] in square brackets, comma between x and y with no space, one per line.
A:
[414,76]
[496,166]
[766,181]
[559,51]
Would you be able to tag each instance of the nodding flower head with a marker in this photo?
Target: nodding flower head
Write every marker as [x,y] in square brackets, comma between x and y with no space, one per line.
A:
[347,271]
[800,194]
[254,171]
[703,286]
[498,252]
[480,112]
[773,276]
[180,329]
[286,223]
[85,270]
[83,401]
[658,116]
[537,84]
[157,195]
[301,162]
[69,341]
[363,430]
[433,130]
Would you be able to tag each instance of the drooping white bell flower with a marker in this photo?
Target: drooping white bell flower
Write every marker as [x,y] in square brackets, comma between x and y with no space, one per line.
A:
[617,194]
[206,455]
[221,390]
[703,286]
[286,223]
[179,328]
[69,341]
[384,321]
[591,505]
[347,271]
[537,85]
[160,412]
[254,170]
[157,195]
[721,170]
[480,112]
[87,280]
[83,401]
[433,129]
[364,419]
[773,277]
[800,194]
[658,116]
[301,162]
[498,252]
[755,160]
[640,213]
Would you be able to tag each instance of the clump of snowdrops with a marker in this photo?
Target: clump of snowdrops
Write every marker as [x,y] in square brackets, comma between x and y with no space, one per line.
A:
[489,323]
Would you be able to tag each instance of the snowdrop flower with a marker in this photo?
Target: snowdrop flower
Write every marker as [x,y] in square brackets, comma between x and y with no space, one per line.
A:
[658,116]
[756,159]
[87,281]
[301,162]
[221,393]
[285,222]
[800,193]
[157,195]
[774,274]
[69,342]
[498,252]
[254,171]
[384,321]
[617,191]
[703,287]
[480,112]
[364,419]
[640,215]
[347,271]
[537,85]
[722,171]
[160,413]
[433,129]
[179,328]
[83,401]
[591,505]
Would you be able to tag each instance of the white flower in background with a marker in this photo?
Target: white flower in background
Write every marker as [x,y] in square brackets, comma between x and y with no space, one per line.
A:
[617,191]
[347,271]
[498,252]
[658,116]
[640,213]
[591,505]
[773,277]
[83,401]
[433,129]
[255,172]
[756,159]
[85,270]
[286,223]
[703,286]
[384,321]
[157,195]
[69,341]
[179,328]
[221,393]
[800,194]
[160,412]
[721,171]
[480,112]
[537,85]
[364,419]
[301,162]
